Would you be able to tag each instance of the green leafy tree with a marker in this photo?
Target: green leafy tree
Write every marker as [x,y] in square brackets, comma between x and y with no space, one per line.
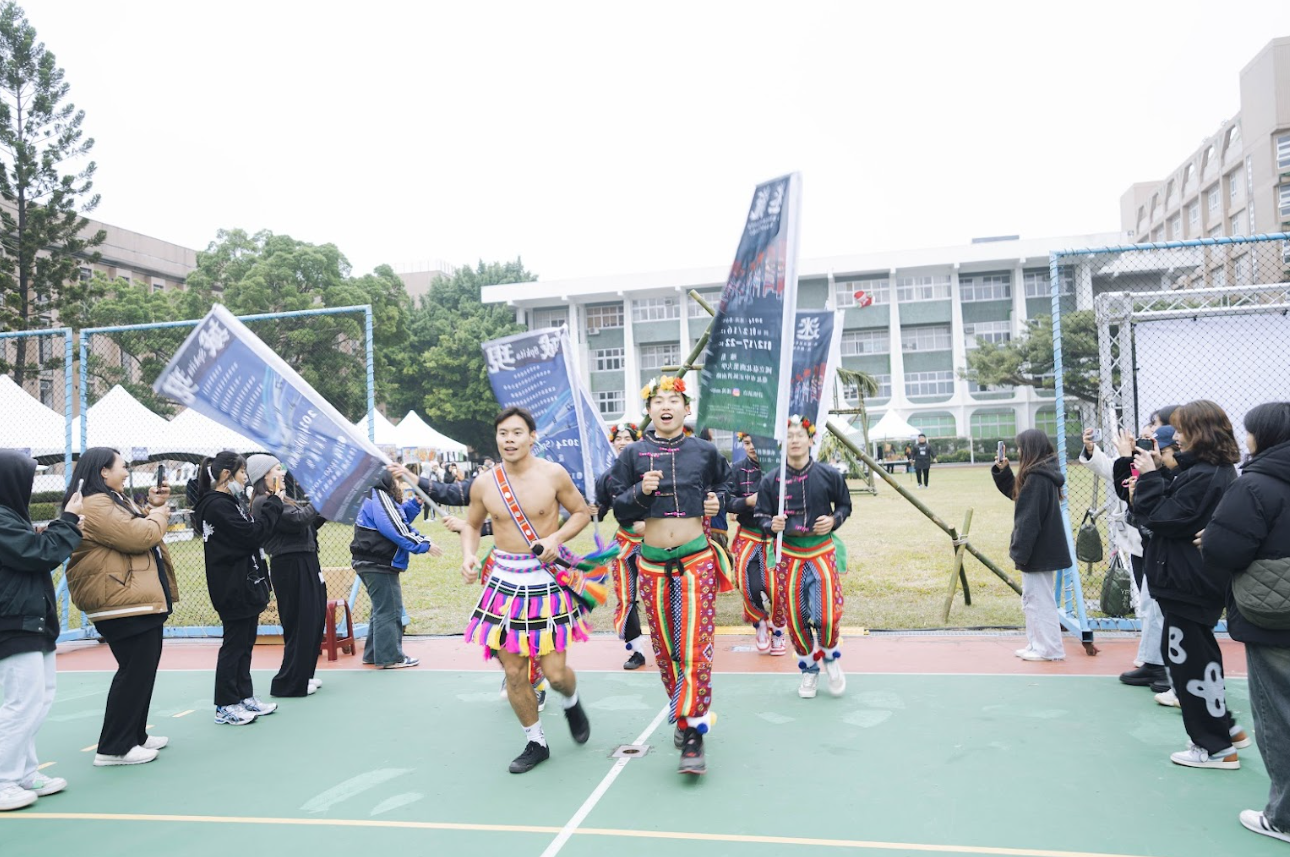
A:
[46,193]
[444,375]
[134,358]
[1028,361]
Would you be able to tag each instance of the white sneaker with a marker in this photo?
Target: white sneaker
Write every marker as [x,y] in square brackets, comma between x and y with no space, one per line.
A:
[155,742]
[837,679]
[16,797]
[259,708]
[45,786]
[314,684]
[1021,653]
[1255,820]
[1032,655]
[810,682]
[1199,757]
[1240,740]
[233,715]
[1168,699]
[136,756]
[777,646]
[763,638]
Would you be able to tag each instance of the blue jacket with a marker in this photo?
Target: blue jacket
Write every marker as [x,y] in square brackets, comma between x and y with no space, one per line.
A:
[383,534]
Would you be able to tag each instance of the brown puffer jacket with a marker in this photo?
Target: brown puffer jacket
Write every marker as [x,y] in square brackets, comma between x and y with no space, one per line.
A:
[113,573]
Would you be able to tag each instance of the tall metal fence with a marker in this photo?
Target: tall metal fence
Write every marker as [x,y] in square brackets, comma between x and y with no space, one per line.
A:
[1150,326]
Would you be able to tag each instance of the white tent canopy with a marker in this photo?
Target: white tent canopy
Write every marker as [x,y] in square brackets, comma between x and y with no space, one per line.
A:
[413,432]
[28,424]
[120,421]
[892,426]
[192,433]
[386,433]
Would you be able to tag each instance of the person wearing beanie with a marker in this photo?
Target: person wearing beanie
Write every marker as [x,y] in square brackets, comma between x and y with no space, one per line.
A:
[296,574]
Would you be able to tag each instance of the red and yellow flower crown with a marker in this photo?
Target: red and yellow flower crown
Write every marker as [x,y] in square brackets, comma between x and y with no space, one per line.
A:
[631,428]
[799,420]
[666,384]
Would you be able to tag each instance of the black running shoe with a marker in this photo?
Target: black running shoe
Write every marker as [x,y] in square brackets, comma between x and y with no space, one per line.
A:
[534,754]
[692,761]
[579,726]
[635,662]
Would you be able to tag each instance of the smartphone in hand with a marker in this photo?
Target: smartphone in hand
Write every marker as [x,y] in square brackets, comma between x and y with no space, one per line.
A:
[161,476]
[1001,452]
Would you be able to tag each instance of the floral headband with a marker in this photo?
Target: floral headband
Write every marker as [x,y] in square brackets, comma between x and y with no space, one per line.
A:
[666,384]
[631,428]
[799,420]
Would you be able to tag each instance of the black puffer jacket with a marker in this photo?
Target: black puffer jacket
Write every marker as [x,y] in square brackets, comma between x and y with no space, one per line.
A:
[237,580]
[1039,540]
[28,615]
[1252,522]
[1175,511]
[297,529]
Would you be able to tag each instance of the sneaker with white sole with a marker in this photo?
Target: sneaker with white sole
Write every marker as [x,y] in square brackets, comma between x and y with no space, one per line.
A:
[16,797]
[316,682]
[233,715]
[1032,655]
[408,661]
[258,708]
[1169,699]
[136,756]
[1022,652]
[763,638]
[1240,740]
[1253,819]
[45,786]
[1199,757]
[837,679]
[156,742]
[810,683]
[777,646]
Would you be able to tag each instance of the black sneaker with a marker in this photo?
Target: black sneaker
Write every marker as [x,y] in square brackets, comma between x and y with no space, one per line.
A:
[678,739]
[635,662]
[1160,687]
[579,726]
[692,761]
[1147,674]
[534,754]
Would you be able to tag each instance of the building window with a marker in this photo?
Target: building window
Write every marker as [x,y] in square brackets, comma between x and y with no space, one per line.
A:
[939,424]
[991,424]
[1241,270]
[657,356]
[85,273]
[1236,226]
[1193,215]
[1216,232]
[47,392]
[974,387]
[844,292]
[859,342]
[158,286]
[931,337]
[851,392]
[929,384]
[909,289]
[1234,185]
[1039,284]
[1211,199]
[1283,152]
[988,287]
[604,317]
[1175,227]
[655,309]
[1158,234]
[544,318]
[1233,138]
[607,359]
[1218,278]
[694,310]
[1284,192]
[610,402]
[1046,421]
[989,331]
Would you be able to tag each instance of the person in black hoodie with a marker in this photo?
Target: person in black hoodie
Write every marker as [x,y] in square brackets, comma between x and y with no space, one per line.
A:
[1039,545]
[923,456]
[28,627]
[296,575]
[235,577]
[1252,522]
[1190,596]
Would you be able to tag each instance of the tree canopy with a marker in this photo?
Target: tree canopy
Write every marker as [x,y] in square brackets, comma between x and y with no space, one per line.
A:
[1028,361]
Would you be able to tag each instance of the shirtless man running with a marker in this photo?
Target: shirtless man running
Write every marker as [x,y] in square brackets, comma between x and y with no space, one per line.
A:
[524,612]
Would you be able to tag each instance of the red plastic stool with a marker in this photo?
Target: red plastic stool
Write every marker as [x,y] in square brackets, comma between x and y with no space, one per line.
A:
[330,641]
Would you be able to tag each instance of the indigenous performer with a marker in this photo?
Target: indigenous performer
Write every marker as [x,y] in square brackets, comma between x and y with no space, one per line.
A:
[750,549]
[525,612]
[671,480]
[816,503]
[627,620]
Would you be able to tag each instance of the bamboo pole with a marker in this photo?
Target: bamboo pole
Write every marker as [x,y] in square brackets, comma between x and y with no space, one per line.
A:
[956,571]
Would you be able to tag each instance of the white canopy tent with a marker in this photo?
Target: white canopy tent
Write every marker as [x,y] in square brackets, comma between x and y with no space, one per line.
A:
[120,421]
[413,432]
[28,424]
[386,433]
[192,434]
[892,426]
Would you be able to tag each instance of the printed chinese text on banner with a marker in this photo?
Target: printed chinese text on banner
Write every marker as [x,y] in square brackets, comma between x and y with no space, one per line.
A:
[532,370]
[744,385]
[225,372]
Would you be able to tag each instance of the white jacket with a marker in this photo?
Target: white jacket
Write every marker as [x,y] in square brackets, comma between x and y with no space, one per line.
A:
[1124,536]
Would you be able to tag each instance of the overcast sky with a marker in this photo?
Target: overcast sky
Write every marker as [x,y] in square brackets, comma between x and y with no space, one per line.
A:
[605,138]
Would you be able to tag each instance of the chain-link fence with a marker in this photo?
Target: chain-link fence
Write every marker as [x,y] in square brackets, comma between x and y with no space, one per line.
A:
[330,348]
[1152,326]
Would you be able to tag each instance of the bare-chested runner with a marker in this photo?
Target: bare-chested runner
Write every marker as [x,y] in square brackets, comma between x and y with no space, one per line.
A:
[524,612]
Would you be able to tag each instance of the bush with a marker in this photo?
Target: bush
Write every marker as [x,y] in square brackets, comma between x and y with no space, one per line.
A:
[44,511]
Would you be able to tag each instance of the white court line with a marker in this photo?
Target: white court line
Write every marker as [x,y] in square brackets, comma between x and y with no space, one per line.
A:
[594,798]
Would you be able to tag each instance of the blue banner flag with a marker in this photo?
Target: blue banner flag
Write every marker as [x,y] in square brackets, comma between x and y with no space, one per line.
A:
[225,372]
[534,370]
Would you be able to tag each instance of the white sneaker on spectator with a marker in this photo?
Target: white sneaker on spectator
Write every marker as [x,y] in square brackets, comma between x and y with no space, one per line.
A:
[1240,740]
[314,684]
[259,708]
[1168,699]
[1021,653]
[837,679]
[155,742]
[45,786]
[136,756]
[1255,820]
[233,715]
[1199,757]
[1032,655]
[16,797]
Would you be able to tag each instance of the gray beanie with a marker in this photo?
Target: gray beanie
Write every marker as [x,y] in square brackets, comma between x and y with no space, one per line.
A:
[258,465]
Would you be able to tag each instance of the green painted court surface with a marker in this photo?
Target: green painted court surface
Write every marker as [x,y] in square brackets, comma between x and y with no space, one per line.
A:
[388,762]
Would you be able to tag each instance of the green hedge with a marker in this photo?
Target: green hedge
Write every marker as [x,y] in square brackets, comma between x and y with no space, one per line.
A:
[44,511]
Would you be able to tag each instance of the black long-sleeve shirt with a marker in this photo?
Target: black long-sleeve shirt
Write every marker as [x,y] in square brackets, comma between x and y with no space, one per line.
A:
[745,478]
[815,491]
[691,469]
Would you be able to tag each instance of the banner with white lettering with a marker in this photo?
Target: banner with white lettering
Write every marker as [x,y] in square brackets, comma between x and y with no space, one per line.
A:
[225,372]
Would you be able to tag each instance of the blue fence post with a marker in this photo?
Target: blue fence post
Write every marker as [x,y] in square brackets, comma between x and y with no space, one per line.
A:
[371,375]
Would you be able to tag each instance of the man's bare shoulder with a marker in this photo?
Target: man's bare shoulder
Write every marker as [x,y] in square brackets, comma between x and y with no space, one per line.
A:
[549,470]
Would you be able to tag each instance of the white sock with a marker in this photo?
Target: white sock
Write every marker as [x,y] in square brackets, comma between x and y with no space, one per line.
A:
[535,733]
[571,701]
[635,645]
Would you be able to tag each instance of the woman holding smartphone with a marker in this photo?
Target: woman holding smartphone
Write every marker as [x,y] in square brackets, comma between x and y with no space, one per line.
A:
[297,577]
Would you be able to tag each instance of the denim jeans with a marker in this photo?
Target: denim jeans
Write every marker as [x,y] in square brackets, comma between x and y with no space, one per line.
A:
[1153,623]
[1270,703]
[385,631]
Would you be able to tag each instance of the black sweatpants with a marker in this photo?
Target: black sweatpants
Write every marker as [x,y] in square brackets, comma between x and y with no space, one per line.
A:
[233,666]
[922,473]
[302,601]
[125,720]
[1195,665]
